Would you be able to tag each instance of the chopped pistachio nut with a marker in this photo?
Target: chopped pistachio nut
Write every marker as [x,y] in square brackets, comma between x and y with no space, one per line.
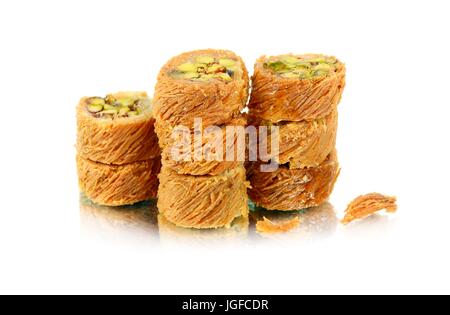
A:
[110,111]
[206,68]
[96,101]
[95,108]
[123,111]
[187,67]
[228,63]
[225,76]
[302,67]
[125,101]
[322,67]
[190,75]
[111,107]
[290,60]
[204,59]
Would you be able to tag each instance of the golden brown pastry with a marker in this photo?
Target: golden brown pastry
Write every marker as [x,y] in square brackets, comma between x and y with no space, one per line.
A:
[301,144]
[118,185]
[293,189]
[203,202]
[117,129]
[366,205]
[267,226]
[208,84]
[296,87]
[187,163]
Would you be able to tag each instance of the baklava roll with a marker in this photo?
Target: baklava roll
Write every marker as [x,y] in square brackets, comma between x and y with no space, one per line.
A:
[203,202]
[212,152]
[117,129]
[293,189]
[296,87]
[301,144]
[118,185]
[208,84]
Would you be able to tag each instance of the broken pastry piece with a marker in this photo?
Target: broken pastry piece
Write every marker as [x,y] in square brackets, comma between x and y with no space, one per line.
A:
[296,87]
[117,129]
[367,205]
[301,144]
[118,185]
[205,154]
[293,189]
[203,202]
[267,226]
[208,84]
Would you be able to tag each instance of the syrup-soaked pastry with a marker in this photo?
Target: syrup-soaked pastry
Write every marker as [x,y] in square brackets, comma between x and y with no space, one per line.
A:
[208,84]
[184,159]
[367,205]
[118,185]
[296,87]
[292,189]
[301,144]
[203,202]
[117,129]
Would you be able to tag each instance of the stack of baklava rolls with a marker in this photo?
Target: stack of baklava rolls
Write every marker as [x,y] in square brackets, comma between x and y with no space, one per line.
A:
[196,92]
[299,94]
[118,156]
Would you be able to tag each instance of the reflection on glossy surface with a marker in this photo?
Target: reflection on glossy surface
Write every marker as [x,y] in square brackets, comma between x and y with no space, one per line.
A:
[373,226]
[141,223]
[136,221]
[315,222]
[168,232]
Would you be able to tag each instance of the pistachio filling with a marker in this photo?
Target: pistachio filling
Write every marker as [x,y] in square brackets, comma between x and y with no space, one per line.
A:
[206,68]
[112,107]
[302,67]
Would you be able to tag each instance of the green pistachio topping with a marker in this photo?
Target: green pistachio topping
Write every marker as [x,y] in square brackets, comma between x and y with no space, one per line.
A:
[94,108]
[111,107]
[206,68]
[205,59]
[302,67]
[125,101]
[113,111]
[97,101]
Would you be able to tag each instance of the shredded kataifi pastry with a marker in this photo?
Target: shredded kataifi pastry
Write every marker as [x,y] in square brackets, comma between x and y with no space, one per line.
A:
[366,205]
[267,226]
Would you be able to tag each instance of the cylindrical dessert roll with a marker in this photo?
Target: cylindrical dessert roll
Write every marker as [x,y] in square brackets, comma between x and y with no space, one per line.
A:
[118,185]
[207,84]
[301,144]
[203,202]
[118,129]
[296,87]
[293,189]
[211,152]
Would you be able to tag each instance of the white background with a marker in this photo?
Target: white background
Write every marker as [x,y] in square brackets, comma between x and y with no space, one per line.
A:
[392,139]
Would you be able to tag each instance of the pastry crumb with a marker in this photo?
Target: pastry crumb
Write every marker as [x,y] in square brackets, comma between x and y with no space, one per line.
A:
[366,205]
[267,226]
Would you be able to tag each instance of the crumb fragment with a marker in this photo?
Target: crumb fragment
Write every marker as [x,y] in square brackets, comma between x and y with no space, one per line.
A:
[267,226]
[366,205]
